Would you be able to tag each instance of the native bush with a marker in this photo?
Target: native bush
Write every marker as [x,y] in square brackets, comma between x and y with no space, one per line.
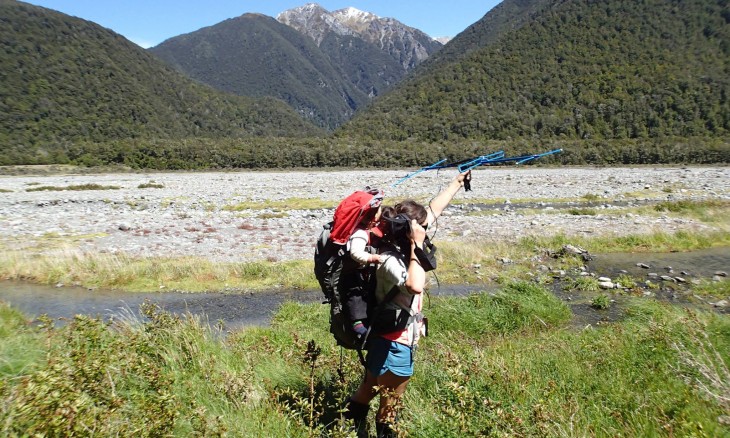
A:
[93,380]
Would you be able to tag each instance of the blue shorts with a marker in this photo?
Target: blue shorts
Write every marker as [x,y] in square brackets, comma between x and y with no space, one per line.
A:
[386,355]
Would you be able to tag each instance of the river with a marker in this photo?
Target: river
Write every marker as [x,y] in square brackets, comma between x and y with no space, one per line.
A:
[256,309]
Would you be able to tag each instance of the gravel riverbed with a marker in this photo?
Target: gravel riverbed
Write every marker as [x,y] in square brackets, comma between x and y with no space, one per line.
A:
[195,214]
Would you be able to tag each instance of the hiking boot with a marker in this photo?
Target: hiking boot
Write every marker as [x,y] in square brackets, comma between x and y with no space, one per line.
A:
[358,413]
[384,430]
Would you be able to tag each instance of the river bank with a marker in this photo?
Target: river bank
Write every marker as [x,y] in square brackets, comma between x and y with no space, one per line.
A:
[275,216]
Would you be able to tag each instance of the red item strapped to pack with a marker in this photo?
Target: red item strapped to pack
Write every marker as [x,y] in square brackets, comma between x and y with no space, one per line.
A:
[351,211]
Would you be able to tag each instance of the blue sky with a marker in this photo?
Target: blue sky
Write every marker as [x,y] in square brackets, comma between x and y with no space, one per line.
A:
[149,22]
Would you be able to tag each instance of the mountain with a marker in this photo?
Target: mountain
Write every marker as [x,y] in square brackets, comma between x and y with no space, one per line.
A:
[408,46]
[569,69]
[506,17]
[325,65]
[255,55]
[358,40]
[65,80]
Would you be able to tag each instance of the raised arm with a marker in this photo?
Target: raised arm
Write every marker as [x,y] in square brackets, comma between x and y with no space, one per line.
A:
[416,280]
[442,200]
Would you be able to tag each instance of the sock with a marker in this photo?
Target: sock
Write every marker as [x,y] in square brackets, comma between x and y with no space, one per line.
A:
[356,411]
[359,327]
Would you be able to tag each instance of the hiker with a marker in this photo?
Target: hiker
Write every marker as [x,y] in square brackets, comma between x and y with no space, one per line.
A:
[400,283]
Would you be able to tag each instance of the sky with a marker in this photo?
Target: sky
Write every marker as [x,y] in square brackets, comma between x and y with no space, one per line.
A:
[150,22]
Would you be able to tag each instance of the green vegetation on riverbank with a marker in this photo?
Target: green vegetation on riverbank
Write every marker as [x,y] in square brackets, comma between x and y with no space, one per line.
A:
[475,262]
[507,364]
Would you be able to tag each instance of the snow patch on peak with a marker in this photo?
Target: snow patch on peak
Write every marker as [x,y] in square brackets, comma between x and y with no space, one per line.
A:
[309,9]
[354,13]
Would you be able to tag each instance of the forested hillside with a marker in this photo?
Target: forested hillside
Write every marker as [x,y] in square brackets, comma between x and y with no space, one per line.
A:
[609,81]
[254,55]
[576,70]
[66,82]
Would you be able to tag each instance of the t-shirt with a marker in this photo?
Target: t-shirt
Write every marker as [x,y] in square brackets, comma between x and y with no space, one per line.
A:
[394,272]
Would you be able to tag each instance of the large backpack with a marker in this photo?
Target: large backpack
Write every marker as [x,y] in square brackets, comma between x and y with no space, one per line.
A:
[332,261]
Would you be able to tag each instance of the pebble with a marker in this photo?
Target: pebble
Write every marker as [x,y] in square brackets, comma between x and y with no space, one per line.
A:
[168,221]
[606,285]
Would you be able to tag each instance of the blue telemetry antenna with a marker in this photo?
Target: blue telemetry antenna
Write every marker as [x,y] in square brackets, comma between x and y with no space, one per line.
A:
[483,160]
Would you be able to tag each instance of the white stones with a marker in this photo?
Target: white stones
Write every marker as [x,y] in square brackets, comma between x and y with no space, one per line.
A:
[25,216]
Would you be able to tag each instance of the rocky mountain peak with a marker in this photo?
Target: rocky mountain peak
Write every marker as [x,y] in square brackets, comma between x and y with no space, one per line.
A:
[313,21]
[355,19]
[407,45]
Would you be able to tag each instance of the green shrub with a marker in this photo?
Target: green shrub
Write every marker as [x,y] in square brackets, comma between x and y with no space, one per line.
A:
[601,302]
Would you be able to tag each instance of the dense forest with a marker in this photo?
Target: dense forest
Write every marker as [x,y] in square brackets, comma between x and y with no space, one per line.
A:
[609,81]
[65,81]
[262,152]
[288,66]
[604,69]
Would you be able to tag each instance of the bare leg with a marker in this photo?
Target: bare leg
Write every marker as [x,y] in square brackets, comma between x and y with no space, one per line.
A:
[366,391]
[392,388]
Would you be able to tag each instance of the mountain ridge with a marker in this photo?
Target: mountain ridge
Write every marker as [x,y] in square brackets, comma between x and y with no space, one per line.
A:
[287,66]
[325,65]
[65,80]
[607,69]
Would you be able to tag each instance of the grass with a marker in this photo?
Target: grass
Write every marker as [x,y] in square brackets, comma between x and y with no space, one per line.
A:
[283,204]
[151,185]
[584,284]
[720,289]
[502,365]
[119,271]
[655,242]
[601,302]
[91,186]
[710,211]
[476,262]
[582,211]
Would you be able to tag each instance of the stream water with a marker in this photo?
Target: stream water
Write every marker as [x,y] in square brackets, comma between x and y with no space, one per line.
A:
[234,310]
[238,310]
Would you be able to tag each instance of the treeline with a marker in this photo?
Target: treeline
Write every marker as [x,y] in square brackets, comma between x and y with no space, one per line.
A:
[257,153]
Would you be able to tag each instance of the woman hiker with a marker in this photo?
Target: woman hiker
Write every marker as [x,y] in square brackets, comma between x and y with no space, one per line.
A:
[390,358]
